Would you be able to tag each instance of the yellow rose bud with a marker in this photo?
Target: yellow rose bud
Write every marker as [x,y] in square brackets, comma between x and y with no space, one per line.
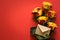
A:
[52,25]
[47,5]
[42,19]
[37,11]
[53,13]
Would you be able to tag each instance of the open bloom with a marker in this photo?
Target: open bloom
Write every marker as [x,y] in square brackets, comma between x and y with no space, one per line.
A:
[51,14]
[37,11]
[47,5]
[52,25]
[42,19]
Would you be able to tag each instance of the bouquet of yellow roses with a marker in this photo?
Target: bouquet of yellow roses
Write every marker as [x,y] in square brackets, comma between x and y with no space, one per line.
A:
[45,17]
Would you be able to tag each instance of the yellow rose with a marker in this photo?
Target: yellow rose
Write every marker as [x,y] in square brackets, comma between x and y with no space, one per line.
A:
[42,19]
[52,25]
[53,13]
[37,11]
[47,5]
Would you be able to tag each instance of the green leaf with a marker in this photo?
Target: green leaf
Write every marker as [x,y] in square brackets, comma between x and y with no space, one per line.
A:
[32,30]
[51,19]
[39,37]
[51,32]
[45,24]
[47,36]
[35,18]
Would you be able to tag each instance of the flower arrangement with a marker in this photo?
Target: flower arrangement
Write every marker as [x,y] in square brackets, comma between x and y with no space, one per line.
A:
[45,17]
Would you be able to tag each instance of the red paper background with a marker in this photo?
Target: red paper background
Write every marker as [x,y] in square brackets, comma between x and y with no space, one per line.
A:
[16,18]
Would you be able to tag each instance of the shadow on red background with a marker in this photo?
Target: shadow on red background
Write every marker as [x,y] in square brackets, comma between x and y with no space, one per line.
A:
[16,18]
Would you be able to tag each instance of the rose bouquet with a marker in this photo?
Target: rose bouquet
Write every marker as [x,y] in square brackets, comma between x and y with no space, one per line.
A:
[45,17]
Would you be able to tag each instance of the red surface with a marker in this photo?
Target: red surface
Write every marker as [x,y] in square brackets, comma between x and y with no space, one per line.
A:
[16,18]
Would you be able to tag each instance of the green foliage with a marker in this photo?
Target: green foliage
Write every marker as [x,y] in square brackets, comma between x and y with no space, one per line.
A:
[32,30]
[35,18]
[51,32]
[51,20]
[42,38]
[45,24]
